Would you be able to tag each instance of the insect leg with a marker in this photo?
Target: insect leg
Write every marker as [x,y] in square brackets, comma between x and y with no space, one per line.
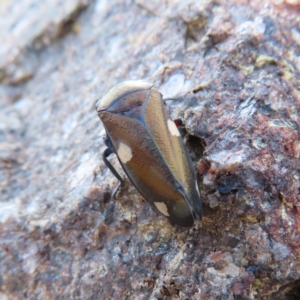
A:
[107,152]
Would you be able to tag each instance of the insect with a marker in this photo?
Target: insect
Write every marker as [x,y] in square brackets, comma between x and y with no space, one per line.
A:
[150,149]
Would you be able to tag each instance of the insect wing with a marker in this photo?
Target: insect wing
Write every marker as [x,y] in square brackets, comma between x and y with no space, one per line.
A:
[147,169]
[168,140]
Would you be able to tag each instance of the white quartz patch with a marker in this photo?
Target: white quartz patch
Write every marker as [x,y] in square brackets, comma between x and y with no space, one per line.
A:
[231,157]
[197,188]
[173,128]
[124,153]
[162,208]
[173,86]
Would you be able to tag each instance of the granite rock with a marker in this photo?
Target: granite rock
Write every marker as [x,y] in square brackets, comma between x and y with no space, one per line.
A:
[233,68]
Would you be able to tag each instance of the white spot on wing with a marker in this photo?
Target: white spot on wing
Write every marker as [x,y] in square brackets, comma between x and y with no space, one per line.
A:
[124,153]
[173,128]
[162,208]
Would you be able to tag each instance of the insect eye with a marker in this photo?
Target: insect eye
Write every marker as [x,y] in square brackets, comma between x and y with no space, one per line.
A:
[178,122]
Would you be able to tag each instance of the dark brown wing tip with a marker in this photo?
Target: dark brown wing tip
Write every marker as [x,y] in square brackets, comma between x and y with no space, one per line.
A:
[183,222]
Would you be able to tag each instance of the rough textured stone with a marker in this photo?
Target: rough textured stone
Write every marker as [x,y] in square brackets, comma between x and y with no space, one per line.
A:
[233,67]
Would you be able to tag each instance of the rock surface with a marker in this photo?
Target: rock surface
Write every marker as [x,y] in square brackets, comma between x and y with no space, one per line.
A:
[234,67]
